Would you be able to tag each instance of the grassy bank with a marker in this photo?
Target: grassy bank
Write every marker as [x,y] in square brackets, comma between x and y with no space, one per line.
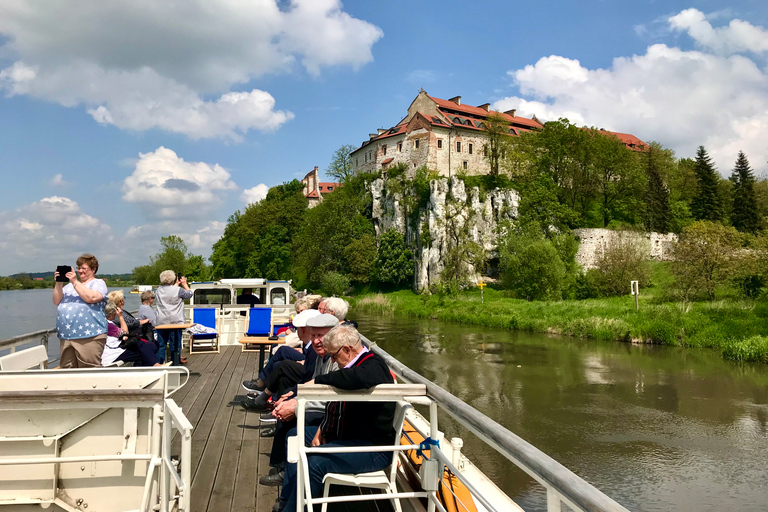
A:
[738,328]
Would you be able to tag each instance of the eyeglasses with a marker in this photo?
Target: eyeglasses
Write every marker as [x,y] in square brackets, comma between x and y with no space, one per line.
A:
[333,356]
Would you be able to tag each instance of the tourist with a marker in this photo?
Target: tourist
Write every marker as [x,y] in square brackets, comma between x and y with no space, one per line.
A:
[346,423]
[297,369]
[145,310]
[133,323]
[285,408]
[80,320]
[170,297]
[140,353]
[247,298]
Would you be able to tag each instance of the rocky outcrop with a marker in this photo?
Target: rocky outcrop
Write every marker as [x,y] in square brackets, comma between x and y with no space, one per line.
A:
[453,215]
[594,242]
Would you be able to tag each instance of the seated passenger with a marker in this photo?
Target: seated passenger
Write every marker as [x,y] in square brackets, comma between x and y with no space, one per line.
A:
[145,310]
[134,324]
[142,354]
[285,353]
[289,373]
[247,297]
[346,424]
[285,409]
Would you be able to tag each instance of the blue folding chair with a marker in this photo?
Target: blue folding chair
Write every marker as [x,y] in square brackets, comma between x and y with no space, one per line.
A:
[259,322]
[204,342]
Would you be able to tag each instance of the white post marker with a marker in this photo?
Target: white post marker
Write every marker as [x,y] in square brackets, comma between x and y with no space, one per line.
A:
[635,290]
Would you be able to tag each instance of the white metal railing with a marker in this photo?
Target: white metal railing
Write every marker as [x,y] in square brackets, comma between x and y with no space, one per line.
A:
[46,412]
[560,483]
[32,338]
[298,453]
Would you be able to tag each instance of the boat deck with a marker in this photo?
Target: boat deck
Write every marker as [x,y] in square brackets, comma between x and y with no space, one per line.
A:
[228,456]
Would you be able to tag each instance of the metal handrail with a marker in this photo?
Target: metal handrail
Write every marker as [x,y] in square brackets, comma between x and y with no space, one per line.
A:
[37,337]
[562,484]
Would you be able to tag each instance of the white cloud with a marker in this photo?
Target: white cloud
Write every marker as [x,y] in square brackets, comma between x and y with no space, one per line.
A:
[141,64]
[58,181]
[682,99]
[255,194]
[53,228]
[738,36]
[173,188]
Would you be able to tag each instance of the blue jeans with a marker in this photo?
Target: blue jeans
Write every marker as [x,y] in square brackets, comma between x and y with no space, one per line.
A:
[171,338]
[320,464]
[282,354]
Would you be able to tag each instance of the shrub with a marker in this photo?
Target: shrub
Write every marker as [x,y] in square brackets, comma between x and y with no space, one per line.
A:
[625,260]
[334,284]
[395,260]
[534,271]
[752,350]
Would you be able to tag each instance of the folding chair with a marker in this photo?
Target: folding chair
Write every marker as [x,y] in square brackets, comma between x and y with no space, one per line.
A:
[383,479]
[204,342]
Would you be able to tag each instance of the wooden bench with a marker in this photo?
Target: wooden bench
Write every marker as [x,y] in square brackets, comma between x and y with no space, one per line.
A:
[35,357]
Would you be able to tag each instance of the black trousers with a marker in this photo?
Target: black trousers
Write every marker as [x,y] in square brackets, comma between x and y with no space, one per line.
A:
[280,443]
[286,375]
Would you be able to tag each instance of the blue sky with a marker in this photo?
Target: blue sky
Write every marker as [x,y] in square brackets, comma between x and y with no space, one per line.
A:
[126,121]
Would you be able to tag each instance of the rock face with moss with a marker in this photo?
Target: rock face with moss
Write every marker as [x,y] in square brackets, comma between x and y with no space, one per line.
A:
[449,226]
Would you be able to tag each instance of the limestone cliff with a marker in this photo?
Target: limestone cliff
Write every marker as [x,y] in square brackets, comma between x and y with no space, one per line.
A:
[451,215]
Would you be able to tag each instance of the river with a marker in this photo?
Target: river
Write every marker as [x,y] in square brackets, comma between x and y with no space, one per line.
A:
[655,428]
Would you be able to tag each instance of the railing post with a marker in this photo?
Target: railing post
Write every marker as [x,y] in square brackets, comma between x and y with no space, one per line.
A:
[553,501]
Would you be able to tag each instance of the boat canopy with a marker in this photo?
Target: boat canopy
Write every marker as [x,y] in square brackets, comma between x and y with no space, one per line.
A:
[244,282]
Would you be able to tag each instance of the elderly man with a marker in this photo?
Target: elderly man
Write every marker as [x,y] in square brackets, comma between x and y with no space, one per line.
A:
[307,360]
[338,308]
[285,408]
[346,424]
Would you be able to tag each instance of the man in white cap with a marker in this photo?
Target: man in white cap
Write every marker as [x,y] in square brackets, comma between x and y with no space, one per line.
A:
[285,408]
[285,353]
[289,373]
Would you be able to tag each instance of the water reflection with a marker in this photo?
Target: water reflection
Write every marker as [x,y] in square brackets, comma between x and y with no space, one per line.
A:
[655,428]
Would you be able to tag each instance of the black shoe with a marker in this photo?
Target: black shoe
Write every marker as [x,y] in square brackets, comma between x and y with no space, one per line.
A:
[278,506]
[267,418]
[252,386]
[268,432]
[276,469]
[249,404]
[275,480]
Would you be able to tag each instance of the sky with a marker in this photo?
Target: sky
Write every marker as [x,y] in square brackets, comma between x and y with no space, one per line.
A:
[125,121]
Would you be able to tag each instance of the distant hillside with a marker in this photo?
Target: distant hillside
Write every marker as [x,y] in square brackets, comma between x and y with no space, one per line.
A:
[49,275]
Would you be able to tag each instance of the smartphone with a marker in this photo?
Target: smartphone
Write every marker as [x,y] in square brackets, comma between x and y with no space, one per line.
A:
[178,277]
[63,270]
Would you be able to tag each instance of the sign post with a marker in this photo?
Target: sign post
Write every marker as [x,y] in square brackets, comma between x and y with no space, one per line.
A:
[634,287]
[482,285]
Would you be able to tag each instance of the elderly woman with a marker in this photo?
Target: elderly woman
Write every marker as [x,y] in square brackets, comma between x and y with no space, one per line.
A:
[169,298]
[145,310]
[134,324]
[80,319]
[142,354]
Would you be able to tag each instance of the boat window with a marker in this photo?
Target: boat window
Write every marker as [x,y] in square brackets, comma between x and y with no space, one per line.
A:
[277,296]
[213,296]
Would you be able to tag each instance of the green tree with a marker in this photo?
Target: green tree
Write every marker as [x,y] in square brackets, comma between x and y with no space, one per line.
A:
[658,215]
[623,261]
[706,205]
[336,235]
[497,143]
[744,215]
[531,266]
[341,167]
[705,257]
[257,242]
[394,265]
[173,256]
[334,284]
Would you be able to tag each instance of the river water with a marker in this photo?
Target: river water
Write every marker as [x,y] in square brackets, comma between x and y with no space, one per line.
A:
[655,428]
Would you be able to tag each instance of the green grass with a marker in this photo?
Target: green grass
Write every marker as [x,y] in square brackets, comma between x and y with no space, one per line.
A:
[736,327]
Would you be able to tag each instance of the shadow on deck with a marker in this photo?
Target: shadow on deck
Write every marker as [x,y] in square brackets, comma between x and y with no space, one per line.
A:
[228,456]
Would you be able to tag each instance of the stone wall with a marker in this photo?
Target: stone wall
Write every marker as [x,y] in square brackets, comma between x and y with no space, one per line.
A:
[451,207]
[595,241]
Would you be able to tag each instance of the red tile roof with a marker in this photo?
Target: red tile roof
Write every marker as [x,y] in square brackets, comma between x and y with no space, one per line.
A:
[629,139]
[481,112]
[388,160]
[312,194]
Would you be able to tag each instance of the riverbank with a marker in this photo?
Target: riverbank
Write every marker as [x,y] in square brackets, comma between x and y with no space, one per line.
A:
[737,328]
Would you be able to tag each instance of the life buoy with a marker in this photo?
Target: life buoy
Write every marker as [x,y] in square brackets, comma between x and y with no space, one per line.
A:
[452,493]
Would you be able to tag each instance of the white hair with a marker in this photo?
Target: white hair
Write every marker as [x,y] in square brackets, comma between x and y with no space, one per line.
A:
[167,277]
[338,306]
[341,336]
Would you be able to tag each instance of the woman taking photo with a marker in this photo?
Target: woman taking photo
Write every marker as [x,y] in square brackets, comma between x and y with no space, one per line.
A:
[169,298]
[80,319]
